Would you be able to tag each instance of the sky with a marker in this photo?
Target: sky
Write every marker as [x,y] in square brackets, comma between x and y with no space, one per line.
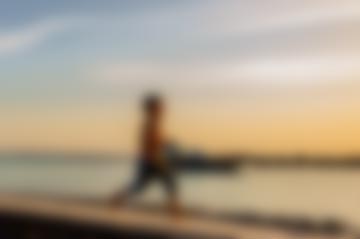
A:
[239,76]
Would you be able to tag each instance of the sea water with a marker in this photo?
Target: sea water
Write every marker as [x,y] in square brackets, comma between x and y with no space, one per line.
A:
[324,193]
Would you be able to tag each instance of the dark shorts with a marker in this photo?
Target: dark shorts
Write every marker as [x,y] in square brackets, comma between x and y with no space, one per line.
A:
[149,171]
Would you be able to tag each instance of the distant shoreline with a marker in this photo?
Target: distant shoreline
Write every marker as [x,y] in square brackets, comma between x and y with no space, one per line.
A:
[265,161]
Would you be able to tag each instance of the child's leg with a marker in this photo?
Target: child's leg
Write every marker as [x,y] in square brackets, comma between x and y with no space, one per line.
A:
[172,194]
[142,179]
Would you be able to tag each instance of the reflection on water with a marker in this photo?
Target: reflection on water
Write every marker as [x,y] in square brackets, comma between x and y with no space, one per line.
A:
[318,193]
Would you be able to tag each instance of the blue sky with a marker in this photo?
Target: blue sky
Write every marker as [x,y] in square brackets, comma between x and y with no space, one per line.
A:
[66,36]
[57,54]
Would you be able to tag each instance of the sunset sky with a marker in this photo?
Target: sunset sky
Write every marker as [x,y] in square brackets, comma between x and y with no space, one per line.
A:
[238,75]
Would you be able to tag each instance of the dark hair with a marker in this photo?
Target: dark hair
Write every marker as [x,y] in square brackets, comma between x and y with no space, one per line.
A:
[152,101]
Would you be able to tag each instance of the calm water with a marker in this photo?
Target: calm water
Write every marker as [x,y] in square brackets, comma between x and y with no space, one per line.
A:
[318,193]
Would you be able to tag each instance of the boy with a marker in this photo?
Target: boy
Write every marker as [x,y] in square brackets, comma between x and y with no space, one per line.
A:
[152,164]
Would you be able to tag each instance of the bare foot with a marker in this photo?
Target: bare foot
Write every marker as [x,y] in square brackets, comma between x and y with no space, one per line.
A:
[117,201]
[175,209]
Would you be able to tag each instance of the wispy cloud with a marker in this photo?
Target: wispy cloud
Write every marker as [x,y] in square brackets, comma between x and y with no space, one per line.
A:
[253,17]
[31,35]
[194,23]
[289,72]
[301,50]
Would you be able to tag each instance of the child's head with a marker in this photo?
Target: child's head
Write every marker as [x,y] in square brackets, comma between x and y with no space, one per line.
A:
[153,105]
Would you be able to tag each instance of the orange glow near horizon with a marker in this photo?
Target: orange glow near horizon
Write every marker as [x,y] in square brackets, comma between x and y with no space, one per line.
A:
[210,128]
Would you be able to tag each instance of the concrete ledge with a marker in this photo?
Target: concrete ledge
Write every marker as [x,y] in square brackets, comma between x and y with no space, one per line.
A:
[30,217]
